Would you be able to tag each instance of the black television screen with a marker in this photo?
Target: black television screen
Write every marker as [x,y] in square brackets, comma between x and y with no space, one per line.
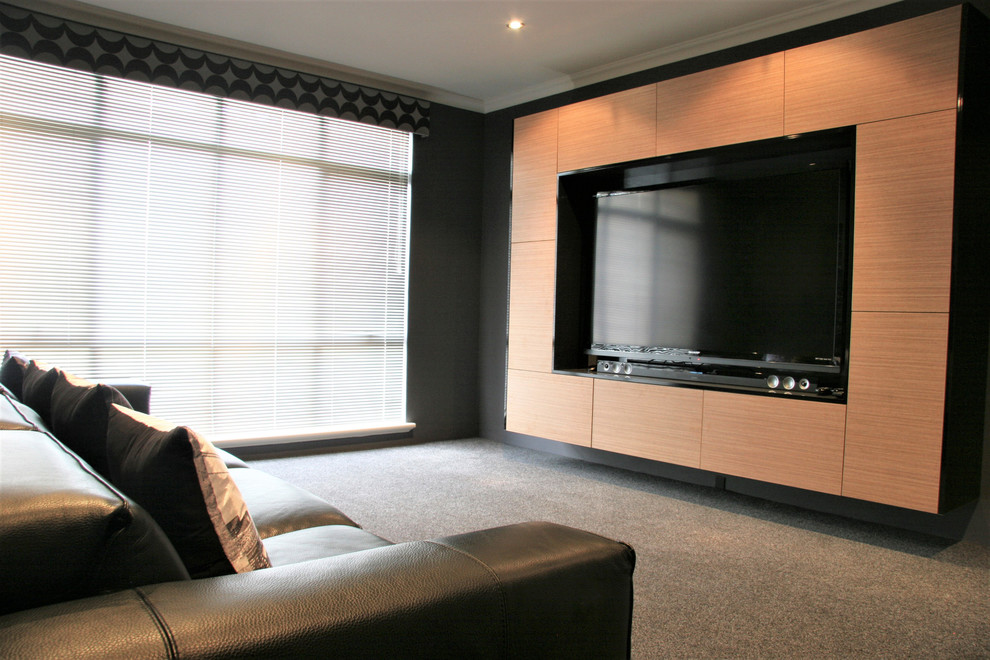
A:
[740,262]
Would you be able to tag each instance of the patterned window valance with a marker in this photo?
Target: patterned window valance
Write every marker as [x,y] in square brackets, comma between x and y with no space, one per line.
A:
[58,41]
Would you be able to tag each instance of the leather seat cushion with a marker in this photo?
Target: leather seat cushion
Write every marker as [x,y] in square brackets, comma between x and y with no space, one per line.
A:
[278,507]
[30,416]
[11,417]
[229,459]
[320,542]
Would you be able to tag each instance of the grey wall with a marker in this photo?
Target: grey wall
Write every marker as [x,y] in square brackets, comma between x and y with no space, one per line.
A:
[444,276]
[970,521]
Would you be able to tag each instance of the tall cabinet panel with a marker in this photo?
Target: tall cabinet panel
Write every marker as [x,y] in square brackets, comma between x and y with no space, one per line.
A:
[896,70]
[731,104]
[534,230]
[902,264]
[538,402]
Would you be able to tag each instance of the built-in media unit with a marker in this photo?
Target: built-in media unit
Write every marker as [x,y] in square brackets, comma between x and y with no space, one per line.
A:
[728,267]
[910,429]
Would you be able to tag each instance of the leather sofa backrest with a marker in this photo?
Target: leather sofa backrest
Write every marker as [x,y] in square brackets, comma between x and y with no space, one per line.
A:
[66,533]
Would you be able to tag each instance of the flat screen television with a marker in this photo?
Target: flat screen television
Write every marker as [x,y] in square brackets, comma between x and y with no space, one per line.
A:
[729,265]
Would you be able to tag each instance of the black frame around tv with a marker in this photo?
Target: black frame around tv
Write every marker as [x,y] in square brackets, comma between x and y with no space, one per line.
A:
[728,267]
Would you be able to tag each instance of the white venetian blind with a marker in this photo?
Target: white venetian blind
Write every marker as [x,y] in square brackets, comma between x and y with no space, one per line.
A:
[247,261]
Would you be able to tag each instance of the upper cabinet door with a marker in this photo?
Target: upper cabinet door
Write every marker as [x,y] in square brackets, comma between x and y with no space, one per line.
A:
[731,104]
[534,178]
[608,129]
[896,70]
[902,238]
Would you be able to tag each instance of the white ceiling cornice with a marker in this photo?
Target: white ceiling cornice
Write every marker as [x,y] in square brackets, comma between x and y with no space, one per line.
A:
[752,31]
[781,24]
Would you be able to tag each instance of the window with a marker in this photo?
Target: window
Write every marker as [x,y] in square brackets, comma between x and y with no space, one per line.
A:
[247,261]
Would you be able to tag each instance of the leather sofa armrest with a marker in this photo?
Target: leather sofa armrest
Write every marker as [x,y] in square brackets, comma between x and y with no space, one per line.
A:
[568,593]
[459,597]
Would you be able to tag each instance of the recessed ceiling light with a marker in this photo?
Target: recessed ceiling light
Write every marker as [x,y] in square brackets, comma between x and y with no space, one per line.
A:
[515,24]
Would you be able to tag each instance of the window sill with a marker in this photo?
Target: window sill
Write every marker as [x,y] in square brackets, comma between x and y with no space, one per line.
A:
[313,435]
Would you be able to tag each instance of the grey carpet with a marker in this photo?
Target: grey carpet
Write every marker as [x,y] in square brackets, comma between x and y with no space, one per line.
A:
[719,575]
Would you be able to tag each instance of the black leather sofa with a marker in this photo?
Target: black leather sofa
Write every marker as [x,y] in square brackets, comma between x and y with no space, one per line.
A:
[87,572]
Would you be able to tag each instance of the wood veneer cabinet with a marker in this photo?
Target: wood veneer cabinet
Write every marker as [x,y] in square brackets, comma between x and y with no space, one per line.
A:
[911,429]
[534,231]
[899,335]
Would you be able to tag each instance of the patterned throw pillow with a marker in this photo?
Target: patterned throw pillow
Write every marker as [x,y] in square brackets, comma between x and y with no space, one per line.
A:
[177,477]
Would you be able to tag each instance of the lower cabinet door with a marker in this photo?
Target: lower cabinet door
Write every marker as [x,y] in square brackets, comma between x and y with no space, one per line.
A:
[649,421]
[896,409]
[553,406]
[783,441]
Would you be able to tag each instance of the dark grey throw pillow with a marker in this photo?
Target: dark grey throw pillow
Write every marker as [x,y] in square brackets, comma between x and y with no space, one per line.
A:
[39,381]
[79,415]
[12,372]
[177,477]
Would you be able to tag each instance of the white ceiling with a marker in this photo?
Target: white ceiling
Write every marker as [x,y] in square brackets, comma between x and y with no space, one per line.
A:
[460,52]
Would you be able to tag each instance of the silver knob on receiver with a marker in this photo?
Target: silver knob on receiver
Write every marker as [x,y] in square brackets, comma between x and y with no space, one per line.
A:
[773,382]
[788,383]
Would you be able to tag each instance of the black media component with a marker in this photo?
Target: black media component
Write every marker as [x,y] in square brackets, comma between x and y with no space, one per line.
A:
[723,267]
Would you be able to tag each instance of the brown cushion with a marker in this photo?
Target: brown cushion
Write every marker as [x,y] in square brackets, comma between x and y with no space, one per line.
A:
[176,475]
